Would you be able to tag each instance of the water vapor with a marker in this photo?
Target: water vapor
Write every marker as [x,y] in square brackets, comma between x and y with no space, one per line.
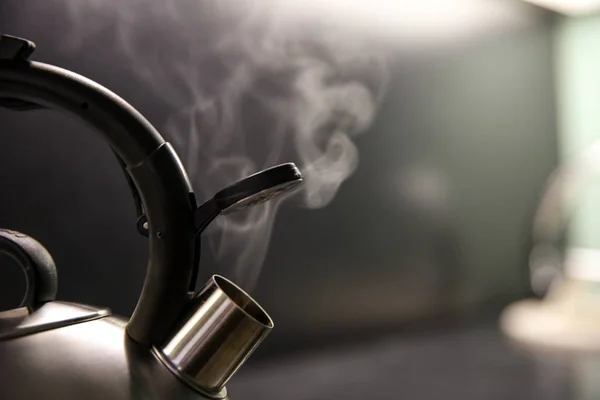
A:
[250,85]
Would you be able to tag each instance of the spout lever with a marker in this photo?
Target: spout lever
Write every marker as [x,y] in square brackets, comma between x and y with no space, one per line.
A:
[255,189]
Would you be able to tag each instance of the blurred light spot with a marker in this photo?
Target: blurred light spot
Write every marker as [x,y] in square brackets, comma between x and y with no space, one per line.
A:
[426,187]
[583,264]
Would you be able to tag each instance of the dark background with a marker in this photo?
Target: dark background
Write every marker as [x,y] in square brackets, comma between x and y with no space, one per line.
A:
[469,123]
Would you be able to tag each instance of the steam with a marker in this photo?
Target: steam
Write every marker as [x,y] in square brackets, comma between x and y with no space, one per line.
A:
[251,85]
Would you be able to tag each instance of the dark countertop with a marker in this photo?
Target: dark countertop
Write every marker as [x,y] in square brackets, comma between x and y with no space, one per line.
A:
[469,363]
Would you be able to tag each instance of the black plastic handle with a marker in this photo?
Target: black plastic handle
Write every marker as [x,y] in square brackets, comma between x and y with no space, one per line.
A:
[154,167]
[37,263]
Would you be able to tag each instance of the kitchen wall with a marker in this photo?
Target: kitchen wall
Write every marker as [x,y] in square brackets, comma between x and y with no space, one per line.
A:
[433,222]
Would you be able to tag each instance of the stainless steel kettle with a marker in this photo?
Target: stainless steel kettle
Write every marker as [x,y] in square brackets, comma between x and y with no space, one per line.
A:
[179,343]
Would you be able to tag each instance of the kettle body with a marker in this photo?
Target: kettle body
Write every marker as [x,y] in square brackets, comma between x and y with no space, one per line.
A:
[86,355]
[180,342]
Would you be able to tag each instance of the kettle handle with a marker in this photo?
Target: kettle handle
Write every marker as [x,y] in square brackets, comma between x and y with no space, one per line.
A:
[151,162]
[37,264]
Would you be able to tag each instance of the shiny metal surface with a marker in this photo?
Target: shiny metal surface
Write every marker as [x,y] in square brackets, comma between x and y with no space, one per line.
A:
[93,360]
[223,327]
[51,315]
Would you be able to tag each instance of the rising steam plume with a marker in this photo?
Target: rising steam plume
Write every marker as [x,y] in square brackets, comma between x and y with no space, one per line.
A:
[250,84]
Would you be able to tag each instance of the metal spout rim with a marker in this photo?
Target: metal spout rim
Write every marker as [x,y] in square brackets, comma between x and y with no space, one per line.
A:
[226,286]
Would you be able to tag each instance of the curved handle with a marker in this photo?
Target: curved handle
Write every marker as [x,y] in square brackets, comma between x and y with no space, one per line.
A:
[37,263]
[155,169]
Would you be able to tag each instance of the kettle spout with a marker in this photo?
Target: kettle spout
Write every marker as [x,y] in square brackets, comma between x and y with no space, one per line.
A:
[220,330]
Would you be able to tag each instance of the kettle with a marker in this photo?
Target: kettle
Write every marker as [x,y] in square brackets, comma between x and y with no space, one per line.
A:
[180,343]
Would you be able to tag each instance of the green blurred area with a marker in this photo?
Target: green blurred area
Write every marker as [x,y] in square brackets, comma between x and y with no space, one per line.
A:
[578,86]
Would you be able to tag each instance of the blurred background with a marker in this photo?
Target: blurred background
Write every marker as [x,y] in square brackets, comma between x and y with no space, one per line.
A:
[446,241]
